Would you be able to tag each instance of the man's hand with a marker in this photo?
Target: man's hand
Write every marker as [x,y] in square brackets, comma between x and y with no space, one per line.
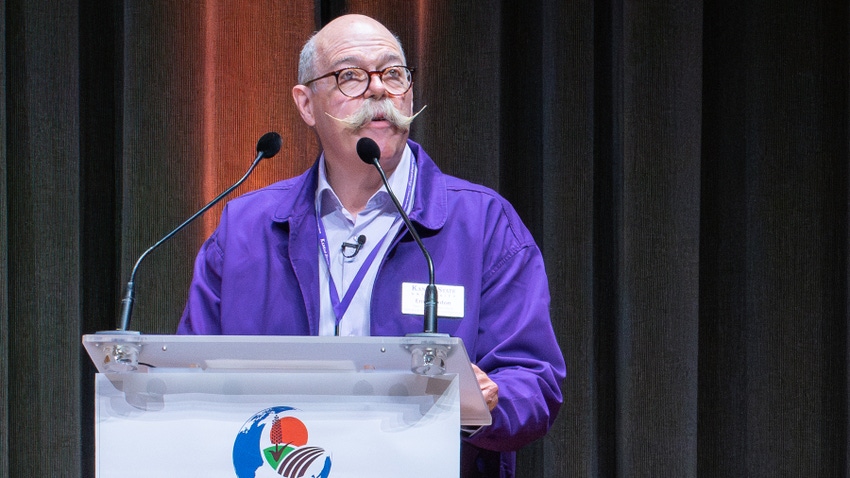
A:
[489,389]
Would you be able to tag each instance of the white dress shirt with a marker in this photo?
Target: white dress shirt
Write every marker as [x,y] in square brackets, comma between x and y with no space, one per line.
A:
[378,219]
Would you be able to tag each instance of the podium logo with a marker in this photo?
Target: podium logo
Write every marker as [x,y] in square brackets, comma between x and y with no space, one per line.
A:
[274,442]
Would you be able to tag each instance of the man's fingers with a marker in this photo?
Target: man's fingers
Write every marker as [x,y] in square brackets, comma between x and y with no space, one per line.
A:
[489,389]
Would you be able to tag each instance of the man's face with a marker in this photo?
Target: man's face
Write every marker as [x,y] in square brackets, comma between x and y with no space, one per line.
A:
[363,43]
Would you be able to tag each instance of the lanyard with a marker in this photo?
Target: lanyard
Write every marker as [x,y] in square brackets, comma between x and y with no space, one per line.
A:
[341,306]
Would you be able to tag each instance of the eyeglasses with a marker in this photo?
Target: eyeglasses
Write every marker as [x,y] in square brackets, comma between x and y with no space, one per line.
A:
[353,82]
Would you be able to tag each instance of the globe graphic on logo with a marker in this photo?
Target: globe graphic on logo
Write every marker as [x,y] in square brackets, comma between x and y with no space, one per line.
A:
[274,443]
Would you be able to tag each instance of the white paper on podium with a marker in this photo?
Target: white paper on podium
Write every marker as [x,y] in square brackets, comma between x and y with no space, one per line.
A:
[351,424]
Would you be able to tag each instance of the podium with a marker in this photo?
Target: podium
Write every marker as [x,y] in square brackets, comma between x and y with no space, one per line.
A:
[254,406]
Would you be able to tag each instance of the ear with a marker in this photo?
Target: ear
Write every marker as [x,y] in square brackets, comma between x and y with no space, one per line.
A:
[303,97]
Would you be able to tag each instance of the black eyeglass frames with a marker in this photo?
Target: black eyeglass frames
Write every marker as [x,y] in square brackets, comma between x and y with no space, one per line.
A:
[354,81]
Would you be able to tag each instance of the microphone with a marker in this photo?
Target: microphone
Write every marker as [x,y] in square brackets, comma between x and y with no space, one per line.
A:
[370,153]
[361,239]
[268,146]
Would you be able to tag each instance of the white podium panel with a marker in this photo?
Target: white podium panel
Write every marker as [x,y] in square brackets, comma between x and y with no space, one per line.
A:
[254,406]
[276,424]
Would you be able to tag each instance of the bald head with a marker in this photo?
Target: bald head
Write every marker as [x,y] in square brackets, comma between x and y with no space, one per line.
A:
[340,119]
[347,28]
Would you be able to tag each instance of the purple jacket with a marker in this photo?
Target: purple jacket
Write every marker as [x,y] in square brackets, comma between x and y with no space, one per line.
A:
[258,275]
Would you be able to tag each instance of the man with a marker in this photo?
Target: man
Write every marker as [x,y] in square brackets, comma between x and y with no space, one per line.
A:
[263,271]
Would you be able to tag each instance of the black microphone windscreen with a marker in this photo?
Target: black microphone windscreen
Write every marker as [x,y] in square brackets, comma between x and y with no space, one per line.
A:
[368,150]
[269,144]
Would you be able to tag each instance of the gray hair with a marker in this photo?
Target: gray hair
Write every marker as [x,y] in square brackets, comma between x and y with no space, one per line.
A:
[307,61]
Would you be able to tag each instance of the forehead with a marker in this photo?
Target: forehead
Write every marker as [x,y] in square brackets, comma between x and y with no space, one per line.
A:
[357,43]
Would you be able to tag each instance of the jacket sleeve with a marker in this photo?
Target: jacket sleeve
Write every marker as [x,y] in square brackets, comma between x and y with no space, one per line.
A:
[202,315]
[517,348]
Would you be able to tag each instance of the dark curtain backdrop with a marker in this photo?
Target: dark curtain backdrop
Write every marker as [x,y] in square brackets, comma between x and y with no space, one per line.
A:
[683,165]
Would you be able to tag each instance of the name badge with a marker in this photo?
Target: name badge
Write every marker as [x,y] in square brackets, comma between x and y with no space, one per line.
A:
[450,299]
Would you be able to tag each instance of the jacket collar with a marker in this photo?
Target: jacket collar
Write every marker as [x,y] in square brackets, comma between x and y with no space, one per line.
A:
[430,208]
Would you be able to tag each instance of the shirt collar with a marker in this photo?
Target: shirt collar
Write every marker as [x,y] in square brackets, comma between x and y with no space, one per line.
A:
[430,211]
[327,200]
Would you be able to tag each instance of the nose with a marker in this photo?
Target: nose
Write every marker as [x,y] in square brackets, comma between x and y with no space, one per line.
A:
[375,89]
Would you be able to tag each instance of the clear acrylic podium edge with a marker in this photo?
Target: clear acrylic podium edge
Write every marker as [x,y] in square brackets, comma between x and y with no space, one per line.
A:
[286,354]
